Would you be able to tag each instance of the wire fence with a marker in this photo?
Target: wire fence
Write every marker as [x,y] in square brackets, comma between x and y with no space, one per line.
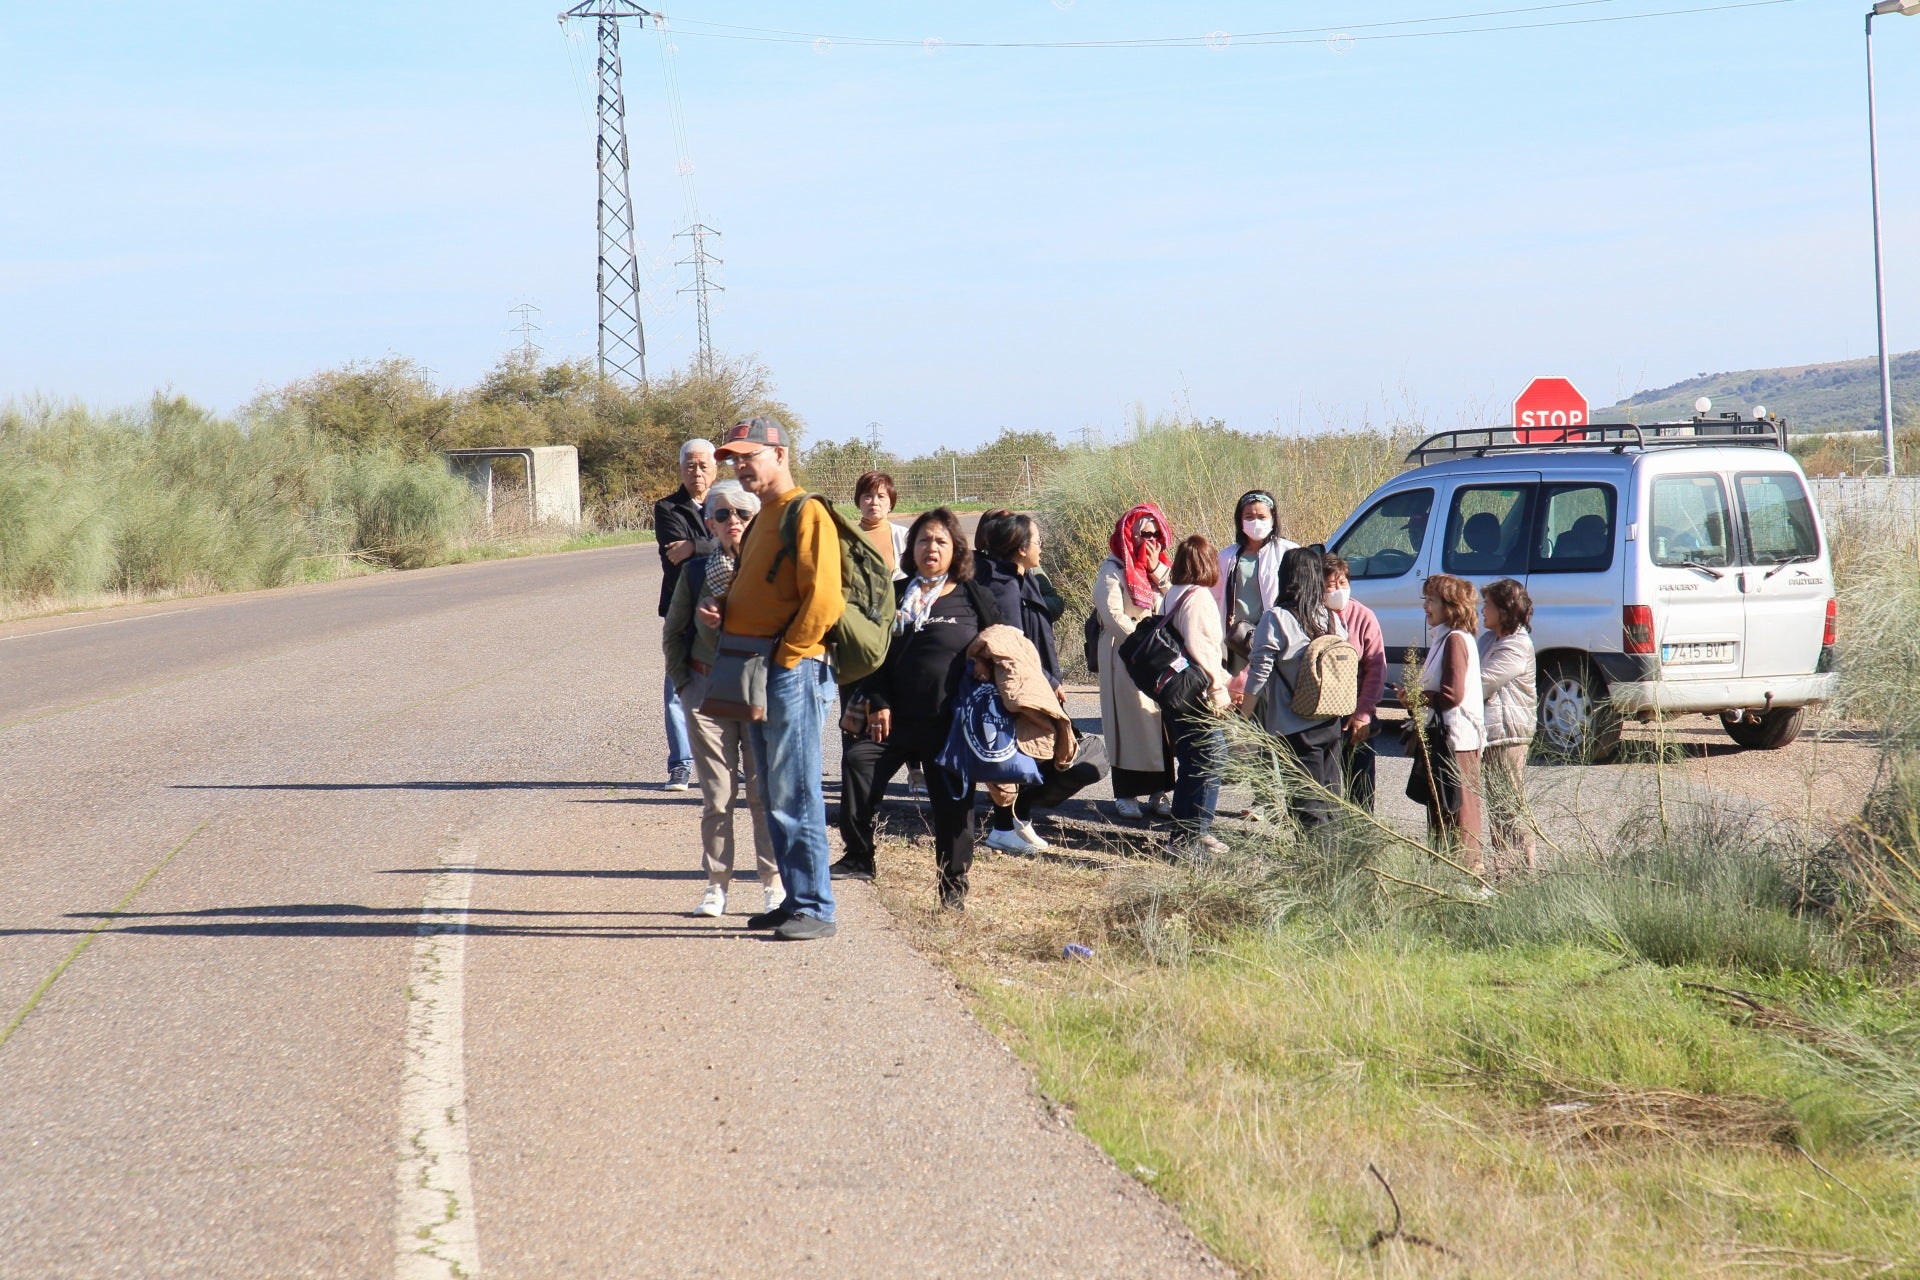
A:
[1870,505]
[936,481]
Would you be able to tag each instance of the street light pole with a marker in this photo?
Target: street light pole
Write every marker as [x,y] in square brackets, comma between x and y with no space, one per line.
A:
[1908,7]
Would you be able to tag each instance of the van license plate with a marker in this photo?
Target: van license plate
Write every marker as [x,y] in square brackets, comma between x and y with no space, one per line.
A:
[1698,654]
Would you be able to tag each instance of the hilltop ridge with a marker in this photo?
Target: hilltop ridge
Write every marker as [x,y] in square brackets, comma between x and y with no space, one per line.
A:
[1839,395]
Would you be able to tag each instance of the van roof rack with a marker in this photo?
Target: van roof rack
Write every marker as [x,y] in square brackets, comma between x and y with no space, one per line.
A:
[1617,437]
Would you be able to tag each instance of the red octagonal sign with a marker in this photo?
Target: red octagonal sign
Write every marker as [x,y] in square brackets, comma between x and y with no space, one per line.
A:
[1547,410]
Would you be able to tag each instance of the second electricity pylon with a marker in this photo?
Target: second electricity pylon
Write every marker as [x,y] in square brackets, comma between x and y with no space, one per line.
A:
[700,287]
[623,343]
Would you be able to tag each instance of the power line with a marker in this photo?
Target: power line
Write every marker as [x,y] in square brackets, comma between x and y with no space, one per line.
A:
[529,350]
[701,286]
[1217,40]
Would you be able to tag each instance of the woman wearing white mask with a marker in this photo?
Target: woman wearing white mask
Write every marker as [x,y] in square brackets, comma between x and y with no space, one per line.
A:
[1249,573]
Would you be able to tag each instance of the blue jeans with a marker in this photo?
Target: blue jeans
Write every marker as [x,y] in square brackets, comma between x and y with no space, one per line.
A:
[679,745]
[1200,751]
[787,744]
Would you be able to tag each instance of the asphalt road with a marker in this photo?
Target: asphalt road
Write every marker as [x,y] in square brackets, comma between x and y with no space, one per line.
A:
[344,934]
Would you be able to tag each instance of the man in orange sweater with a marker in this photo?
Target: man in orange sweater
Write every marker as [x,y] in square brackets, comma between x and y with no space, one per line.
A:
[797,598]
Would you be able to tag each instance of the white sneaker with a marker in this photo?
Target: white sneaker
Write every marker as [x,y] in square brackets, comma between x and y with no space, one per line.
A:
[1159,806]
[1031,836]
[1128,808]
[1012,842]
[714,903]
[1211,843]
[775,895]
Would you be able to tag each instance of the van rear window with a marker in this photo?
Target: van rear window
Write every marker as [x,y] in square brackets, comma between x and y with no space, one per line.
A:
[1574,533]
[1779,519]
[1690,524]
[1385,542]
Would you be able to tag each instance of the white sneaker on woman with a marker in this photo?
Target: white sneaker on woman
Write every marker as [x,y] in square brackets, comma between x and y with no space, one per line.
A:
[1012,841]
[775,895]
[1031,836]
[1128,808]
[714,903]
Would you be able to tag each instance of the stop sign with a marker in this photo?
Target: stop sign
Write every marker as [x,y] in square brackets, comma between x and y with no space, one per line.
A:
[1543,413]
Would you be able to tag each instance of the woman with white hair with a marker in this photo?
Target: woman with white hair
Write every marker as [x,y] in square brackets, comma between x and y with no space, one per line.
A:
[720,747]
[680,533]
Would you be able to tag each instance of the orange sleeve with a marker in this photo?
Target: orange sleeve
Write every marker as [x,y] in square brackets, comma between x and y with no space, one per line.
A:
[816,564]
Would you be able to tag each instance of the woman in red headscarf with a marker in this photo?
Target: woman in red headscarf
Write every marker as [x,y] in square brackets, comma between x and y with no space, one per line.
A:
[1128,589]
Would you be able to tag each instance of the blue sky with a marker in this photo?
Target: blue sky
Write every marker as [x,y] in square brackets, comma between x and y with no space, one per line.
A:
[218,198]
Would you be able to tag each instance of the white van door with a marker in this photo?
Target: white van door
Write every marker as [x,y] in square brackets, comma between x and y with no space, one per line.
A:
[1575,576]
[1385,551]
[1784,572]
[1698,615]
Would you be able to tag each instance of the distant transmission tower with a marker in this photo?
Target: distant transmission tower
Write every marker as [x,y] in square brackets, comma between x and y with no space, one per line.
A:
[623,343]
[529,350]
[700,287]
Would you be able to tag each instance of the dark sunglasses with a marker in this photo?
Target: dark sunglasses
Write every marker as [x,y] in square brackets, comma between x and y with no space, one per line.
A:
[728,513]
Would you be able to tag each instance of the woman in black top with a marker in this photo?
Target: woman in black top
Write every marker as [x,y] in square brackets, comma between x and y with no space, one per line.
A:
[910,704]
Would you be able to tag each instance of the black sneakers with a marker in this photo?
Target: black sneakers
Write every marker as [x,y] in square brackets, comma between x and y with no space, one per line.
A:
[848,869]
[805,929]
[770,919]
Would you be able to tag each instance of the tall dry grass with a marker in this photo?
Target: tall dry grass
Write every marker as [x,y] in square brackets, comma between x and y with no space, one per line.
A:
[174,498]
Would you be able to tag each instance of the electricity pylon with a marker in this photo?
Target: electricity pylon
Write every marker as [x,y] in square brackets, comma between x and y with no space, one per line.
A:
[623,342]
[700,287]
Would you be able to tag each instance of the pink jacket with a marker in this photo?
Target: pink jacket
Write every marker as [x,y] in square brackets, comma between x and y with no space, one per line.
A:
[1363,629]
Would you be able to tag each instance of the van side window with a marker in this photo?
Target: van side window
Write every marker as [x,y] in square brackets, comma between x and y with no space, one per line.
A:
[1690,522]
[1779,520]
[1385,542]
[1487,529]
[1574,533]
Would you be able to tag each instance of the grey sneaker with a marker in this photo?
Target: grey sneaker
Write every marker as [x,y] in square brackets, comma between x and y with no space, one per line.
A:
[680,778]
[805,929]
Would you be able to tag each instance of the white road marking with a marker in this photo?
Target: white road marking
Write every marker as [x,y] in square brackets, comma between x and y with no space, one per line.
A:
[110,622]
[434,1229]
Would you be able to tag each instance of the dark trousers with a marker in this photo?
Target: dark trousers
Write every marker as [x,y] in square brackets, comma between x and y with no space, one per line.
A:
[1200,751]
[868,766]
[1360,775]
[1318,752]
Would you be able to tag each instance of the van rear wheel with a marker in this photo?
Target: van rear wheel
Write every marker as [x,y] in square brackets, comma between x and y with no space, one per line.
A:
[1577,719]
[1767,731]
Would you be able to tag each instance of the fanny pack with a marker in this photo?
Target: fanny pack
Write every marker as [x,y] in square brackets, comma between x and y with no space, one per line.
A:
[737,686]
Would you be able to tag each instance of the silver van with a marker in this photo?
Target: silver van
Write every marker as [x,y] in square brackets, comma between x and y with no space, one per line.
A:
[1674,568]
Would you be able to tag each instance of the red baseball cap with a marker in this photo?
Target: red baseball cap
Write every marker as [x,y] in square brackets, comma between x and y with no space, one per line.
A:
[745,437]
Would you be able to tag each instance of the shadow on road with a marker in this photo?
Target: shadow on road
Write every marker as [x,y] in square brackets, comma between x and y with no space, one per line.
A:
[351,920]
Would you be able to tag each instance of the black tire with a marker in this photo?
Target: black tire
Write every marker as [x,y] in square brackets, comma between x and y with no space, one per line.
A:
[1769,731]
[1577,719]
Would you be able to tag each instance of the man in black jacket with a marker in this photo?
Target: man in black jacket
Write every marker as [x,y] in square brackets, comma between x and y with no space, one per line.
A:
[681,534]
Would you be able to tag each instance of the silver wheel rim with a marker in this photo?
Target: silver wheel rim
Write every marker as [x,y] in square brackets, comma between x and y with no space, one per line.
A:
[1566,713]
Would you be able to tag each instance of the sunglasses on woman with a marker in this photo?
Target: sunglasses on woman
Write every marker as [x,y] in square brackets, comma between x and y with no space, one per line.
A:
[731,513]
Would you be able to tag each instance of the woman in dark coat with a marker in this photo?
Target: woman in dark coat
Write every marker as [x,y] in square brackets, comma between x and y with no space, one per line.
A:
[909,704]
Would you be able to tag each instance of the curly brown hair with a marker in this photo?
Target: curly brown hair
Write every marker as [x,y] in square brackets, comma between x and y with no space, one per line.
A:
[1511,599]
[961,569]
[1456,599]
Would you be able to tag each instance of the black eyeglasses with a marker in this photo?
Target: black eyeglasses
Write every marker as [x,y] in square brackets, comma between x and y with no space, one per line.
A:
[728,513]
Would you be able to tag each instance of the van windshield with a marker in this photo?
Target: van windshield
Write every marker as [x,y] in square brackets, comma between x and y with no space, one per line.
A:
[1690,524]
[1779,519]
[1385,542]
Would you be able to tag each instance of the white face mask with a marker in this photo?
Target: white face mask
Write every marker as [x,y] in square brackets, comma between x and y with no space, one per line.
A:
[1257,530]
[1337,597]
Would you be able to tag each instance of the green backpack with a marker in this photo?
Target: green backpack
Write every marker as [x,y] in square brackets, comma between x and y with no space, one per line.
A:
[858,641]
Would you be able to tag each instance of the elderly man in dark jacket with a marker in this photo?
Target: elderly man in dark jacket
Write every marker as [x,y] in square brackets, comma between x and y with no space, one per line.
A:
[680,534]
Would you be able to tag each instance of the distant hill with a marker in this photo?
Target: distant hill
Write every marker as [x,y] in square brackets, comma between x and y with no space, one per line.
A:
[1840,396]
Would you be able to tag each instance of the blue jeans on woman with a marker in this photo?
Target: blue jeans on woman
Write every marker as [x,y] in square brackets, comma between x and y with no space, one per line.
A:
[787,745]
[1200,758]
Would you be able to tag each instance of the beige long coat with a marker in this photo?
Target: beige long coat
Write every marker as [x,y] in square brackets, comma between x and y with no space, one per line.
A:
[1129,719]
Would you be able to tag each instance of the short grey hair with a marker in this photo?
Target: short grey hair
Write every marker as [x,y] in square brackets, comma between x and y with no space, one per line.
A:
[742,498]
[695,446]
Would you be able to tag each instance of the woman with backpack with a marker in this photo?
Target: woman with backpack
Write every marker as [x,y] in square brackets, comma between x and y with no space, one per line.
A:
[1127,590]
[1452,727]
[720,747]
[1249,575]
[1194,698]
[1512,707]
[1276,667]
[909,703]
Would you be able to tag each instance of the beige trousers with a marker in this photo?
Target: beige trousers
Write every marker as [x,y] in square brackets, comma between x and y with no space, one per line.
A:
[719,747]
[1504,769]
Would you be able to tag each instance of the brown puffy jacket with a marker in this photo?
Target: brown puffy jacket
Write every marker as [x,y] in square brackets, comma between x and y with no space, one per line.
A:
[1041,725]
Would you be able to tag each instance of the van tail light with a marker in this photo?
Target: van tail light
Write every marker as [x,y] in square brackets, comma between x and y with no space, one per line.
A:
[1831,635]
[1636,628]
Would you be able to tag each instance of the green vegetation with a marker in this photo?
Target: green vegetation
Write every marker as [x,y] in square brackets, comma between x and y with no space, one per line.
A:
[176,499]
[1843,395]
